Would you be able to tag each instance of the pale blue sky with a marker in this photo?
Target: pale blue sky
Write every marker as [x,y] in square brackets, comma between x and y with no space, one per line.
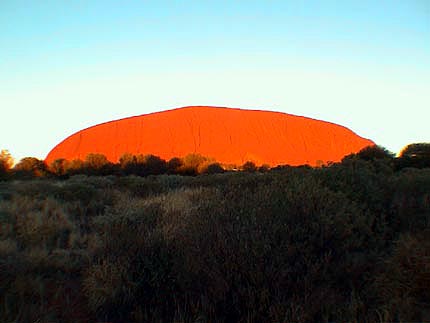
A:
[67,65]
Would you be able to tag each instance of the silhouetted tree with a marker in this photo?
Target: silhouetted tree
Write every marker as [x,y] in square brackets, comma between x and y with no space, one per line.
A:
[211,168]
[414,155]
[152,165]
[264,168]
[30,167]
[75,166]
[376,157]
[249,167]
[6,163]
[420,150]
[126,158]
[375,152]
[191,163]
[58,167]
[98,164]
[173,165]
[96,161]
[128,164]
[370,153]
[142,165]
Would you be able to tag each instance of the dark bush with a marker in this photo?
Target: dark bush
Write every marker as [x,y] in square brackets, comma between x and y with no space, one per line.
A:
[6,163]
[30,167]
[249,166]
[173,165]
[414,155]
[211,168]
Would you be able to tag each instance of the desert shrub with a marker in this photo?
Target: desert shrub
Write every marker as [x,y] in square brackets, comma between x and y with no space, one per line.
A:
[6,163]
[173,165]
[39,262]
[414,155]
[411,201]
[76,191]
[366,182]
[191,163]
[29,168]
[37,223]
[210,168]
[172,182]
[264,168]
[372,153]
[403,282]
[226,244]
[42,286]
[7,191]
[129,164]
[96,161]
[58,167]
[75,166]
[84,197]
[142,165]
[126,159]
[130,274]
[140,186]
[37,189]
[249,166]
[153,165]
[98,182]
[98,164]
[416,150]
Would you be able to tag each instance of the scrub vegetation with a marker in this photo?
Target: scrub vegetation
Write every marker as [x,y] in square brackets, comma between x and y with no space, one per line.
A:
[137,241]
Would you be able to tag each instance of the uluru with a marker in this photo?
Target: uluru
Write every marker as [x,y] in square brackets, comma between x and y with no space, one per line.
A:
[228,135]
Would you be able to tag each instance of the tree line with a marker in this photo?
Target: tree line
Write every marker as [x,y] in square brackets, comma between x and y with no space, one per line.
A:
[128,164]
[415,155]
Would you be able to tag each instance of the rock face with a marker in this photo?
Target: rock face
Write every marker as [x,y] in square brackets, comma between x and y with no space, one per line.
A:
[230,136]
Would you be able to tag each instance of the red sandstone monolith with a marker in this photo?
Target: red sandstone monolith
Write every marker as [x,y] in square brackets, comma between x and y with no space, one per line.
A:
[230,136]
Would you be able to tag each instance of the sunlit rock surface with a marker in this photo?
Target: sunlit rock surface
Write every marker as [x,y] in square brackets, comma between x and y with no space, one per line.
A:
[230,136]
